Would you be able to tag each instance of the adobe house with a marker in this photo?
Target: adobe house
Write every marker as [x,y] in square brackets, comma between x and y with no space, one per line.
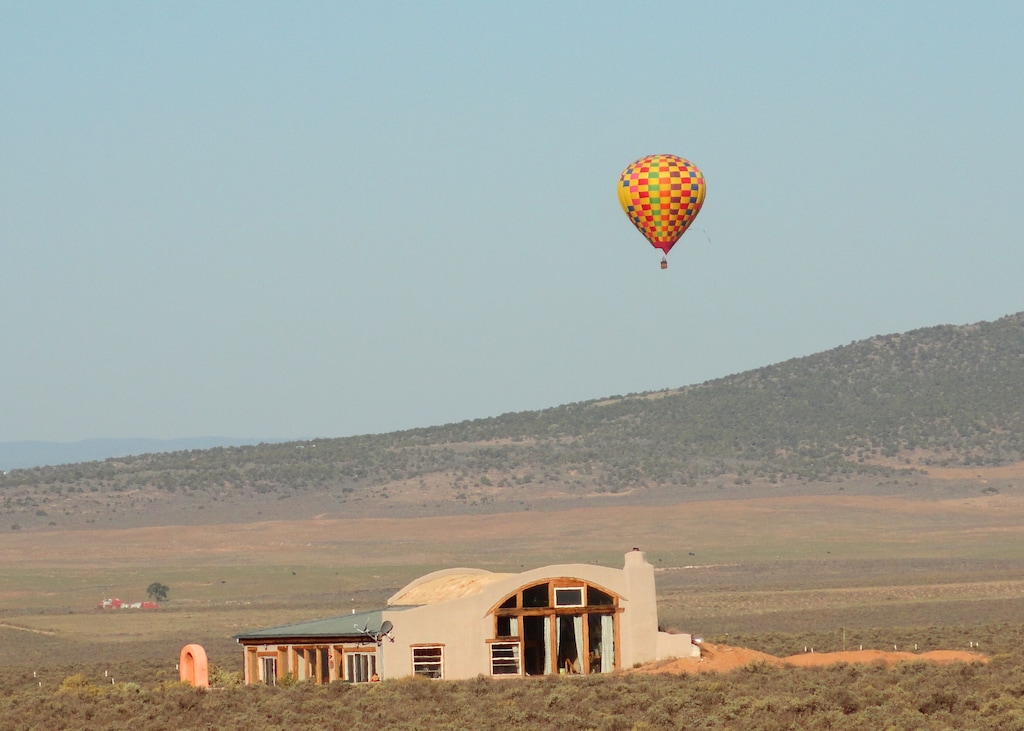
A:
[461,623]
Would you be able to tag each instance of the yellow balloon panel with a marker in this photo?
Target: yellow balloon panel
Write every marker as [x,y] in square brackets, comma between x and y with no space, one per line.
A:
[661,194]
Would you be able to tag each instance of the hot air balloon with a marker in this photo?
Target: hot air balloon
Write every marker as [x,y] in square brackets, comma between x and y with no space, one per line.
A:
[661,194]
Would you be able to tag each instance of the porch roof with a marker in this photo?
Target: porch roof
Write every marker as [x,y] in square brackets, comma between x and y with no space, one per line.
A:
[362,625]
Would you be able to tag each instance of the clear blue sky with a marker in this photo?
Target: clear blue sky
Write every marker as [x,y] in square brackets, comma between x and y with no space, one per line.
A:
[287,220]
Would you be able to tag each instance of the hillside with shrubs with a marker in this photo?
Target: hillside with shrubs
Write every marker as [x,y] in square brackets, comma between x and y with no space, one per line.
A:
[935,397]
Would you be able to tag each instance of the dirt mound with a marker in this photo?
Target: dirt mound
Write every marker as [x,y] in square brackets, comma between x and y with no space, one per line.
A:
[723,658]
[713,658]
[814,659]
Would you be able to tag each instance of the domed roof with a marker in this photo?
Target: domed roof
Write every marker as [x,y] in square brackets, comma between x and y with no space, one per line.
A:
[444,586]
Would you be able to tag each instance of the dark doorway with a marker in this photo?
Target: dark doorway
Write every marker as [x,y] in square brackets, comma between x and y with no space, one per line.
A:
[535,660]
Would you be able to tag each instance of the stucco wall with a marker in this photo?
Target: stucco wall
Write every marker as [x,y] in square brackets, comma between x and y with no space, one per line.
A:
[463,626]
[676,645]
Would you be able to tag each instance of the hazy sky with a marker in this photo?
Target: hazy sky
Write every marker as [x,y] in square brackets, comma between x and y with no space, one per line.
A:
[301,219]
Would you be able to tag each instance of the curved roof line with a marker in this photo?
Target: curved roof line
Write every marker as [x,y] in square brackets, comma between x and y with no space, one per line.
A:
[444,585]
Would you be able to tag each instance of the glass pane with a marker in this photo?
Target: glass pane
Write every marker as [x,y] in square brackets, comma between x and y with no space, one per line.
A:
[505,659]
[506,627]
[536,596]
[568,646]
[569,597]
[426,661]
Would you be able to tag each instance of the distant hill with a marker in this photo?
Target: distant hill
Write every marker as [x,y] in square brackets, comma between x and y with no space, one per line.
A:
[20,455]
[934,397]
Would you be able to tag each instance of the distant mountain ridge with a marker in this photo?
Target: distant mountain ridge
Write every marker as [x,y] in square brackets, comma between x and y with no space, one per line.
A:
[934,398]
[21,455]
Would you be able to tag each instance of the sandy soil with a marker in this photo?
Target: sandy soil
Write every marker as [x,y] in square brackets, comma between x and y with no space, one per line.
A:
[774,523]
[723,658]
[917,459]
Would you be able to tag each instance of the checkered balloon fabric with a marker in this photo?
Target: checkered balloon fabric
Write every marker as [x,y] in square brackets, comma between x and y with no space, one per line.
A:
[661,194]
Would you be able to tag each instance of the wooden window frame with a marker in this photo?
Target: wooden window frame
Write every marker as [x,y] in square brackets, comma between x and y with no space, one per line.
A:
[517,659]
[581,588]
[420,663]
[356,652]
[513,605]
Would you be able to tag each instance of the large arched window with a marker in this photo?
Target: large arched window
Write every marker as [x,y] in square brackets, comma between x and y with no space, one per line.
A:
[562,625]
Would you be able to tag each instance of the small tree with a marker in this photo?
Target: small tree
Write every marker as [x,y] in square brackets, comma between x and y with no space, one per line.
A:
[157,591]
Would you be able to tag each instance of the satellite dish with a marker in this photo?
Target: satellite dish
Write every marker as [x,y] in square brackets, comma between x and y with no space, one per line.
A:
[386,627]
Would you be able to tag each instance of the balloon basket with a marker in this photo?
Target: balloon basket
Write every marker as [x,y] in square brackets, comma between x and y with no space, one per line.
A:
[664,263]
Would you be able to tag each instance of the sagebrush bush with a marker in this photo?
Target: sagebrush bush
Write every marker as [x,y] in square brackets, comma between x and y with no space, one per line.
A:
[917,695]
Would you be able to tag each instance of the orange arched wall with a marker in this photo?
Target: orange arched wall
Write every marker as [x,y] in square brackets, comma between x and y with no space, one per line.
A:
[193,667]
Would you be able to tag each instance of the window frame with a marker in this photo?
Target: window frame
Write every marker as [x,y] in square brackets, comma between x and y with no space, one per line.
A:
[523,605]
[516,659]
[582,589]
[351,657]
[428,662]
[267,670]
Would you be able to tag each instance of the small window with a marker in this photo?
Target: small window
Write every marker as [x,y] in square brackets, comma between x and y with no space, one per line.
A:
[569,596]
[510,603]
[597,598]
[505,658]
[360,666]
[428,661]
[507,626]
[536,596]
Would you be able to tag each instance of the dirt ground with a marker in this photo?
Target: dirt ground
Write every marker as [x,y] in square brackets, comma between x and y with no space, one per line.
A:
[919,458]
[723,658]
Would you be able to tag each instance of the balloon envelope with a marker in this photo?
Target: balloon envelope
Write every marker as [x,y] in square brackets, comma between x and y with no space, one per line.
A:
[661,194]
